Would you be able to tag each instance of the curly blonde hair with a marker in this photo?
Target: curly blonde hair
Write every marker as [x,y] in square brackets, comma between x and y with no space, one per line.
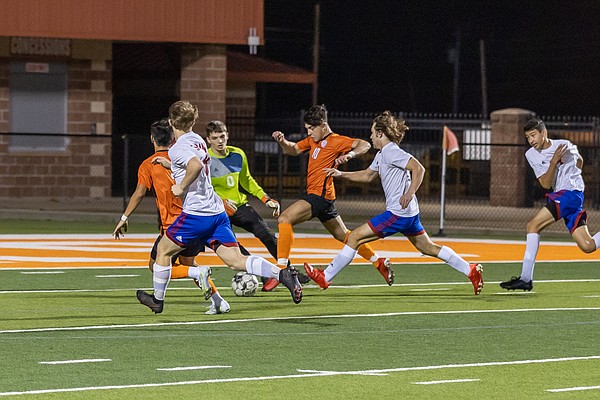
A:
[393,128]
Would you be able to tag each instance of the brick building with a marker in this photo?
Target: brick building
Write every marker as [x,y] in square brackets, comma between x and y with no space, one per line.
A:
[70,75]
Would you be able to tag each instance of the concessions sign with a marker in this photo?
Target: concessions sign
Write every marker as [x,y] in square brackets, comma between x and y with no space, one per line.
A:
[33,46]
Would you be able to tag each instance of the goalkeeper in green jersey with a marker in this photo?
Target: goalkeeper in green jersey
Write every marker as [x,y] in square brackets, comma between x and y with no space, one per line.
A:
[229,171]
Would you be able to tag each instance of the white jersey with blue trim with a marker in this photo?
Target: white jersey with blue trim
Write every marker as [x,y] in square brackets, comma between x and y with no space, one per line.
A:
[390,162]
[568,175]
[200,197]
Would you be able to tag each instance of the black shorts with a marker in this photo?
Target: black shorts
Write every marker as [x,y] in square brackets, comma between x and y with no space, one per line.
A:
[321,207]
[186,252]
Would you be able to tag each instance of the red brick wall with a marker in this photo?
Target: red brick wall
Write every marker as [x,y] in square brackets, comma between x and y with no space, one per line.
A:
[84,168]
[203,74]
[508,165]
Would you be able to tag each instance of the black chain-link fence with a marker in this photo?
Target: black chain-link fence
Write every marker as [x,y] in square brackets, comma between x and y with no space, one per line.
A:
[467,191]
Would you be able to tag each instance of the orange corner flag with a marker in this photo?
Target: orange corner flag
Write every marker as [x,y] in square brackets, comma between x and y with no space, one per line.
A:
[450,142]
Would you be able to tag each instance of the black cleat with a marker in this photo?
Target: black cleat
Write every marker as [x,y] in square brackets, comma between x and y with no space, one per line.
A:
[303,278]
[289,278]
[516,283]
[150,301]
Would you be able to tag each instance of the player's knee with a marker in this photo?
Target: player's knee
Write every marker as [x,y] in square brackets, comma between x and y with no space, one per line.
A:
[532,226]
[587,246]
[282,219]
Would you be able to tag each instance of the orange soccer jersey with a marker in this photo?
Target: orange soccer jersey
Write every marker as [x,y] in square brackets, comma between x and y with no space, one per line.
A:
[155,176]
[322,155]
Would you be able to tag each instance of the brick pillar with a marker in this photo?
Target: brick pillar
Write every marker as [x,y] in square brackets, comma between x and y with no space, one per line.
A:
[508,163]
[203,81]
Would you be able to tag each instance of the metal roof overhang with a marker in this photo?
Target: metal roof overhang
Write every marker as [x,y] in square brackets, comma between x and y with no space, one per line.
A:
[184,21]
[247,68]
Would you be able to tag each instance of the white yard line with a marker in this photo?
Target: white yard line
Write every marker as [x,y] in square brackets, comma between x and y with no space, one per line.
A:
[573,389]
[116,276]
[41,272]
[88,360]
[445,381]
[229,321]
[296,376]
[193,368]
[308,286]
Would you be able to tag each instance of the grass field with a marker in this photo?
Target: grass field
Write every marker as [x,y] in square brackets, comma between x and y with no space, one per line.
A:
[80,333]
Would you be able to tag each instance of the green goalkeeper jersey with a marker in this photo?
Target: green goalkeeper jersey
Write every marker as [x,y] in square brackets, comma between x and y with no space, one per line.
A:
[230,172]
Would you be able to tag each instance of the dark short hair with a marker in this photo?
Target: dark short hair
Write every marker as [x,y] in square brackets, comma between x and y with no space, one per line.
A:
[316,115]
[534,123]
[215,126]
[161,132]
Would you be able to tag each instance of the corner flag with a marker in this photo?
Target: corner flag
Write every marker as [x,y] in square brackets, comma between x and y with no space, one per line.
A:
[450,142]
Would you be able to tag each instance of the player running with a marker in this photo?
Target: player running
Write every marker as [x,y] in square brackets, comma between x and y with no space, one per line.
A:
[401,175]
[326,149]
[158,179]
[203,219]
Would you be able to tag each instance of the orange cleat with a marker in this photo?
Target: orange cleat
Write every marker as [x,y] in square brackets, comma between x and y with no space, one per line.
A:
[476,277]
[317,275]
[383,266]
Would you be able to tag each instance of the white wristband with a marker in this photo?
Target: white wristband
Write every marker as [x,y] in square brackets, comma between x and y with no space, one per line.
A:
[351,154]
[124,218]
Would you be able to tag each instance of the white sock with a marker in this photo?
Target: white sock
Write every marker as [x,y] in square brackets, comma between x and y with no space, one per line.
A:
[340,261]
[596,238]
[374,258]
[283,261]
[161,277]
[531,249]
[216,299]
[194,272]
[256,265]
[450,257]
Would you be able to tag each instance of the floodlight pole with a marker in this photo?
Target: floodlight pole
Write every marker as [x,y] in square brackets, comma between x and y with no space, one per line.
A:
[316,48]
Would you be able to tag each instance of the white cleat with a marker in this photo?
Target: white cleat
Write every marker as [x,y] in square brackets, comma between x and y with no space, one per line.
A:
[222,309]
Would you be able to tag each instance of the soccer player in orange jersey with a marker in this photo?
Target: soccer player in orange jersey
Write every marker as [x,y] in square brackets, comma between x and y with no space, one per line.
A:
[326,149]
[153,176]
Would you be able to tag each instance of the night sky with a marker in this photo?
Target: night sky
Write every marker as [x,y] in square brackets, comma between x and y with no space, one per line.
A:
[542,55]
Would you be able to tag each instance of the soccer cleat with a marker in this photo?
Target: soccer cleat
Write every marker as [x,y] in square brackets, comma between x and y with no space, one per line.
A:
[270,284]
[317,275]
[302,278]
[383,266]
[289,278]
[150,301]
[222,309]
[516,283]
[203,283]
[476,277]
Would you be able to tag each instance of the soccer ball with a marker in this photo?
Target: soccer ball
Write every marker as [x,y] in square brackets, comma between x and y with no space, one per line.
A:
[244,284]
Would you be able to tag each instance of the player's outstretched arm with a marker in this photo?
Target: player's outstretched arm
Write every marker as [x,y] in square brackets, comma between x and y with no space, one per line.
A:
[288,147]
[359,147]
[134,202]
[364,176]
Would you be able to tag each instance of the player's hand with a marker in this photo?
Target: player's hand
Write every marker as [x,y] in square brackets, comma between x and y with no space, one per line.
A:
[344,158]
[275,206]
[405,200]
[162,161]
[230,206]
[332,172]
[120,229]
[177,190]
[560,152]
[278,136]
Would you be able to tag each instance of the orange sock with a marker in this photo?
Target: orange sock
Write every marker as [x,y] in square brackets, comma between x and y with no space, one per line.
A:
[212,285]
[284,244]
[179,271]
[366,252]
